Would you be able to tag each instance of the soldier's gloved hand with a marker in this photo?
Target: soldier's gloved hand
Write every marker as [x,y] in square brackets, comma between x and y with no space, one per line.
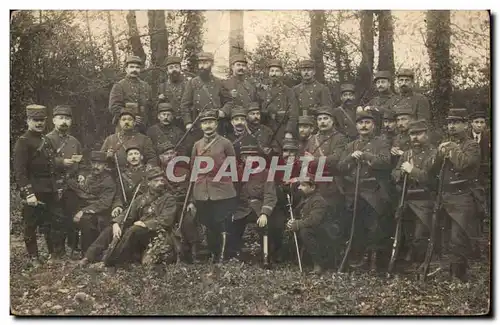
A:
[68,162]
[357,154]
[116,212]
[161,96]
[140,224]
[31,200]
[109,153]
[395,151]
[262,221]
[78,216]
[117,232]
[293,225]
[189,126]
[191,208]
[407,167]
[288,135]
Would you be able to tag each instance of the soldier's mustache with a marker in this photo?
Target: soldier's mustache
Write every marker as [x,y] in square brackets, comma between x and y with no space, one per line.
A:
[364,129]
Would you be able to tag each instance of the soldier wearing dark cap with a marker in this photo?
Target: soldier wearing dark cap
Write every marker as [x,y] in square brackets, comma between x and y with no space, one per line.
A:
[306,127]
[132,89]
[150,212]
[166,130]
[463,157]
[344,116]
[279,105]
[328,143]
[204,91]
[172,89]
[388,132]
[127,136]
[265,136]
[67,148]
[401,142]
[310,93]
[239,128]
[95,191]
[214,200]
[407,97]
[35,173]
[419,200]
[371,236]
[243,92]
[385,97]
[256,202]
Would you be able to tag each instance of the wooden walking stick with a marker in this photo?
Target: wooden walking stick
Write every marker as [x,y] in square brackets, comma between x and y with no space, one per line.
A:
[353,224]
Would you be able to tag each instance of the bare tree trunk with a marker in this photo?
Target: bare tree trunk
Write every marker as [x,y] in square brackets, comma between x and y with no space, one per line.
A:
[316,40]
[385,41]
[194,38]
[87,23]
[236,32]
[438,48]
[159,44]
[111,38]
[134,38]
[365,69]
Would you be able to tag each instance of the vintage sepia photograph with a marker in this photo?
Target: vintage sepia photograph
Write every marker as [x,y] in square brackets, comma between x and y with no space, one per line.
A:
[250,163]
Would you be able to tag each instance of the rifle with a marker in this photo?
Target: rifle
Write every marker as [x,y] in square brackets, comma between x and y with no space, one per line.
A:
[290,209]
[399,217]
[115,240]
[121,179]
[353,224]
[434,224]
[187,131]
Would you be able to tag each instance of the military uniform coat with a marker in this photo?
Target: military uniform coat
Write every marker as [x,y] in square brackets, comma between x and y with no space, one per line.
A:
[345,124]
[96,192]
[311,96]
[131,90]
[242,93]
[419,104]
[119,143]
[160,133]
[264,137]
[256,195]
[205,188]
[131,176]
[173,94]
[65,147]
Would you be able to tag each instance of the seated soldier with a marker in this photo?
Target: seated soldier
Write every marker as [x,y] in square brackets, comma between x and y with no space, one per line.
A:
[95,191]
[148,214]
[310,225]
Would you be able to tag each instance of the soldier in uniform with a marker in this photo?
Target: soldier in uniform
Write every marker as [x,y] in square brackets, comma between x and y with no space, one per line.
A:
[35,172]
[127,136]
[419,201]
[310,93]
[205,91]
[95,191]
[214,200]
[239,126]
[385,96]
[150,212]
[344,116]
[265,136]
[66,163]
[310,224]
[402,141]
[328,143]
[241,90]
[407,97]
[388,126]
[279,105]
[172,89]
[371,231]
[306,127]
[166,129]
[133,174]
[132,89]
[463,157]
[256,202]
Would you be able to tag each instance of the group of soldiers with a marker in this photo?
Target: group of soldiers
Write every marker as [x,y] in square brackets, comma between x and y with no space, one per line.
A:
[111,209]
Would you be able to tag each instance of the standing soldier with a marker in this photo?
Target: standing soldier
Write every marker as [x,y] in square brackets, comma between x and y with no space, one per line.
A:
[328,143]
[388,126]
[132,89]
[416,162]
[306,127]
[279,105]
[34,169]
[203,92]
[149,213]
[463,159]
[402,141]
[241,90]
[68,155]
[239,128]
[385,96]
[419,104]
[310,93]
[215,201]
[95,191]
[166,129]
[133,174]
[172,89]
[344,116]
[127,136]
[265,136]
[370,233]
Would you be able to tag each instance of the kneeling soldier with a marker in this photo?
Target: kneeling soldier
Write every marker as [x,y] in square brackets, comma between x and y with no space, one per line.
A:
[148,213]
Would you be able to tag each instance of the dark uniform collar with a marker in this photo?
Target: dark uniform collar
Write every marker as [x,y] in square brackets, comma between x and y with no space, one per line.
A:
[310,82]
[366,139]
[459,138]
[134,168]
[127,133]
[35,133]
[209,138]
